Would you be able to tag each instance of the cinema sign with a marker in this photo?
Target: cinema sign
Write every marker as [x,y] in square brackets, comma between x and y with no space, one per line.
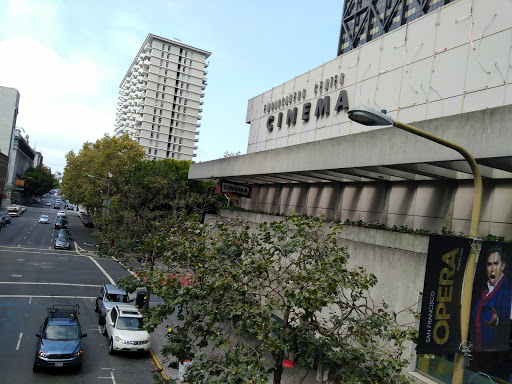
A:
[323,107]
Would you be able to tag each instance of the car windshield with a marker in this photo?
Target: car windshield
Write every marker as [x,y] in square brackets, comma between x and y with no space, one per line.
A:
[61,332]
[62,238]
[119,298]
[44,217]
[130,324]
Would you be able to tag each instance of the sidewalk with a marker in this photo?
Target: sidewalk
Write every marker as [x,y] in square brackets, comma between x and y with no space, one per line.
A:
[158,341]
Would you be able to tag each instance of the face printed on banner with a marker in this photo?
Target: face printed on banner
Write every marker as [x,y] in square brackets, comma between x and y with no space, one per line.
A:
[495,268]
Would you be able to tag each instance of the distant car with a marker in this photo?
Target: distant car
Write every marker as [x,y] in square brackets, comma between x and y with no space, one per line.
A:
[61,214]
[61,223]
[56,206]
[3,222]
[59,341]
[87,221]
[65,233]
[48,204]
[7,219]
[109,296]
[70,207]
[125,329]
[23,208]
[44,219]
[61,242]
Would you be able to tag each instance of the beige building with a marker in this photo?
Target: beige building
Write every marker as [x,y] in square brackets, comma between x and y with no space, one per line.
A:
[160,98]
[449,73]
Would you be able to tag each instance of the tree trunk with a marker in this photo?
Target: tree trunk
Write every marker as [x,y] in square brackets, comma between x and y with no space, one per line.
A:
[278,357]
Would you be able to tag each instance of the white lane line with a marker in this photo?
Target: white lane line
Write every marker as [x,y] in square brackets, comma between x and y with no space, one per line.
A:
[19,341]
[30,283]
[16,275]
[78,249]
[30,301]
[109,377]
[50,296]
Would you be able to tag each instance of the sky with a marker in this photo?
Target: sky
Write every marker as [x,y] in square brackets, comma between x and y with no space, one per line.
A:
[68,57]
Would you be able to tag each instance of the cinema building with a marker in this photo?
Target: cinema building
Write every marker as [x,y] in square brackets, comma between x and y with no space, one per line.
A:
[447,71]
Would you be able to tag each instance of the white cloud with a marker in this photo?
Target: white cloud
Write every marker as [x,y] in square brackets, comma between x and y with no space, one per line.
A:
[56,96]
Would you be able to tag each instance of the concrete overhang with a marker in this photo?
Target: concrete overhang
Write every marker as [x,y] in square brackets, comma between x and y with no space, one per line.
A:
[380,154]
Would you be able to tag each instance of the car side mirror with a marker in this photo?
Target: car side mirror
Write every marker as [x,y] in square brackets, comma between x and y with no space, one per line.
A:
[84,335]
[38,335]
[99,298]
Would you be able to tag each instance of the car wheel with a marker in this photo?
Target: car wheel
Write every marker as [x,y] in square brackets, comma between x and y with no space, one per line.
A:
[35,367]
[104,330]
[111,347]
[96,307]
[101,320]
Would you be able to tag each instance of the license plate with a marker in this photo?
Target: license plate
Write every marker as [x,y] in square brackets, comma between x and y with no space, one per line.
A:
[59,364]
[135,349]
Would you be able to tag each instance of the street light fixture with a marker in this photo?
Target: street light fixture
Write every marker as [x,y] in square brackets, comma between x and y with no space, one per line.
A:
[371,117]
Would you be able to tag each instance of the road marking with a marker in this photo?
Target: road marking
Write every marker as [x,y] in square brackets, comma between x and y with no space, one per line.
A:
[49,297]
[16,275]
[19,341]
[109,377]
[30,300]
[20,259]
[79,249]
[30,283]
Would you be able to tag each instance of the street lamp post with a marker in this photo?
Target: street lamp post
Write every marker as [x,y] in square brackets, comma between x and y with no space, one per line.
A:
[371,117]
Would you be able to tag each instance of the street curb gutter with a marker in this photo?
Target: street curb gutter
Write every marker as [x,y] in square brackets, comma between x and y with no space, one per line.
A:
[158,365]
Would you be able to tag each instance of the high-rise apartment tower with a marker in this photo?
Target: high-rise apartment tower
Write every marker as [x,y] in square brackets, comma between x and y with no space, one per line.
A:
[160,98]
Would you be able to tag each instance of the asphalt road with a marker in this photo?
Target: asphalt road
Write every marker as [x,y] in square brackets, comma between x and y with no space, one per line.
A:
[33,276]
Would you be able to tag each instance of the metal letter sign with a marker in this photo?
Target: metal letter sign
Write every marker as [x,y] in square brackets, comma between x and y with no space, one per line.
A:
[440,310]
[241,190]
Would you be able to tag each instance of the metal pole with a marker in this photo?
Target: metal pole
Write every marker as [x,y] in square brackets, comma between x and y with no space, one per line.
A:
[469,273]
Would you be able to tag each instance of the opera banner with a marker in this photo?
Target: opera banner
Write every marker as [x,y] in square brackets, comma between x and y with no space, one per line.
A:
[440,310]
[489,325]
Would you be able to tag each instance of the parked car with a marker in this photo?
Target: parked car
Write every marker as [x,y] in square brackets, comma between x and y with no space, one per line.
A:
[48,203]
[23,208]
[65,233]
[56,206]
[88,222]
[7,219]
[61,242]
[125,329]
[109,296]
[59,341]
[3,222]
[70,207]
[61,223]
[44,219]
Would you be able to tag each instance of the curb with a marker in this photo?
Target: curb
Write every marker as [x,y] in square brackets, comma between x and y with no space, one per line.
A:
[158,365]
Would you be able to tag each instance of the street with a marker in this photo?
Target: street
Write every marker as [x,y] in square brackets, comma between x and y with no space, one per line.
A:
[33,277]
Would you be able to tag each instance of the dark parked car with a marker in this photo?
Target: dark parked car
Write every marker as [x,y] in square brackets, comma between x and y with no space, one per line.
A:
[3,222]
[56,206]
[7,219]
[88,222]
[65,233]
[61,223]
[59,341]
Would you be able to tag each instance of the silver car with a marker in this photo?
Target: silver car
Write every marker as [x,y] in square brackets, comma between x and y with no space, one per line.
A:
[44,219]
[109,296]
[61,242]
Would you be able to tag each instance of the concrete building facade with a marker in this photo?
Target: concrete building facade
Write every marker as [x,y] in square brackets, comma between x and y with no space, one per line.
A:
[448,72]
[9,107]
[161,98]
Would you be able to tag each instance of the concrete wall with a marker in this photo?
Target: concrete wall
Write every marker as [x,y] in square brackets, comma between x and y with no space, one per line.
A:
[451,61]
[428,205]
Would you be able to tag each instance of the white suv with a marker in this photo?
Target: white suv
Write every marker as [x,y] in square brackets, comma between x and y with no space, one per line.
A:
[124,327]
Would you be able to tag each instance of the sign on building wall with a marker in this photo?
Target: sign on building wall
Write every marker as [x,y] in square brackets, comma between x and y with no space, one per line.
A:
[440,310]
[490,307]
[490,319]
[235,189]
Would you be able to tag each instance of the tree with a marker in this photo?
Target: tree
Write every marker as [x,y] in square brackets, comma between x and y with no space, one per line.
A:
[106,159]
[154,198]
[38,181]
[235,293]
